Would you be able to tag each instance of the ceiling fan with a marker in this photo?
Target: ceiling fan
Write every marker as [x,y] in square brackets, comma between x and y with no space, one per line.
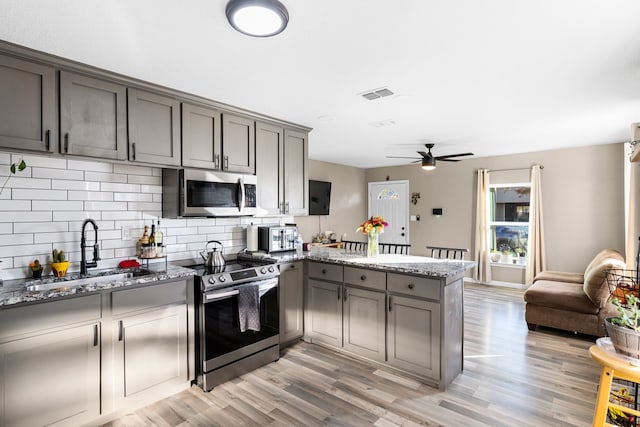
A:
[429,160]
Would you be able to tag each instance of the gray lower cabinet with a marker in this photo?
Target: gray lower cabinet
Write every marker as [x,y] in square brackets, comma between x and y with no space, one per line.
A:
[364,322]
[93,117]
[238,144]
[413,336]
[154,128]
[324,312]
[282,170]
[27,105]
[201,144]
[50,363]
[291,302]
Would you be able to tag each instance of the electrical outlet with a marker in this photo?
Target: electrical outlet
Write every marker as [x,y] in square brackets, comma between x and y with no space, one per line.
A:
[126,233]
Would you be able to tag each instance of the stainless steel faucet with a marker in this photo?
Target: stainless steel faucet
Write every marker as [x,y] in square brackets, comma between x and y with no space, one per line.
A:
[83,244]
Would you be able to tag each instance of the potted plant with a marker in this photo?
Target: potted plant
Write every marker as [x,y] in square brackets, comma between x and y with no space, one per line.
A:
[624,329]
[36,269]
[522,255]
[59,263]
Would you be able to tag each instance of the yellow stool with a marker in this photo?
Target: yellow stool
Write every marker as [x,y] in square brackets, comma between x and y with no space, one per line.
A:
[613,365]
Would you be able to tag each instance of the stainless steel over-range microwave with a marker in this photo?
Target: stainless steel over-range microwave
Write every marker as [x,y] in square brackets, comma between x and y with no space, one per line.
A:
[200,192]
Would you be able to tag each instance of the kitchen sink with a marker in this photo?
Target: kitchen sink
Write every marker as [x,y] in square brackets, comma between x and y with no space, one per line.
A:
[76,281]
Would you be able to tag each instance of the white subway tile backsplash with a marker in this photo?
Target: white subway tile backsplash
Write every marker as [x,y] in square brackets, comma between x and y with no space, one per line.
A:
[57,173]
[105,177]
[87,165]
[56,205]
[32,194]
[46,204]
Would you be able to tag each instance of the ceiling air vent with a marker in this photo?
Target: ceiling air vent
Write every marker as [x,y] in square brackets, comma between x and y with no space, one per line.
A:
[376,94]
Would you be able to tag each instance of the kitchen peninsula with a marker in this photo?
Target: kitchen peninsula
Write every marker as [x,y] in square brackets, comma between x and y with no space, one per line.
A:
[403,311]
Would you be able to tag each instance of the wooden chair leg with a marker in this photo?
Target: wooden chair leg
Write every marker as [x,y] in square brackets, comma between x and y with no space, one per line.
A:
[604,391]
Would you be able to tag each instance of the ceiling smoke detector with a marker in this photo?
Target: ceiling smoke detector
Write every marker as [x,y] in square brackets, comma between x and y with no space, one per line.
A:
[376,94]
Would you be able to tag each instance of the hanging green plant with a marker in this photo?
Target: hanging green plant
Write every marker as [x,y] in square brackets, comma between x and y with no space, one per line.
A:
[13,169]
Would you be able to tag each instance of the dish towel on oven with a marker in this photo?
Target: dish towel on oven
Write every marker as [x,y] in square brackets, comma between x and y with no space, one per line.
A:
[249,307]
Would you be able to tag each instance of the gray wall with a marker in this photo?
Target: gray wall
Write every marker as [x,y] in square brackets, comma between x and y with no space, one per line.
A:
[582,191]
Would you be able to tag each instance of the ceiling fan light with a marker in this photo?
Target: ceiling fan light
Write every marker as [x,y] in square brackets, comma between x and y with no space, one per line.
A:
[428,163]
[257,18]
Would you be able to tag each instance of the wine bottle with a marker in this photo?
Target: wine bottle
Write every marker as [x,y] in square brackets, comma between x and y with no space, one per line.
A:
[152,236]
[159,237]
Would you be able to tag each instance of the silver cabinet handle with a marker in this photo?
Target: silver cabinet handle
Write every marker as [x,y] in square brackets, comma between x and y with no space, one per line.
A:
[216,161]
[66,142]
[226,163]
[390,304]
[345,294]
[120,331]
[133,151]
[47,139]
[339,293]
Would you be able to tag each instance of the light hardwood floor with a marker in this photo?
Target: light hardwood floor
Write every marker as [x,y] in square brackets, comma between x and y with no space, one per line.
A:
[511,377]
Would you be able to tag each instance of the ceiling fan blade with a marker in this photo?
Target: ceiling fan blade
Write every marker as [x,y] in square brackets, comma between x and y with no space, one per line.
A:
[395,157]
[423,154]
[448,160]
[453,155]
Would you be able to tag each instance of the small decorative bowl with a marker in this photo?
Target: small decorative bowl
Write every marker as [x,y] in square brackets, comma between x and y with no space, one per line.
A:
[60,268]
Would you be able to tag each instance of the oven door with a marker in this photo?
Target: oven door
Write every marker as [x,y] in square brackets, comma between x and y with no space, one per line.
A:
[222,341]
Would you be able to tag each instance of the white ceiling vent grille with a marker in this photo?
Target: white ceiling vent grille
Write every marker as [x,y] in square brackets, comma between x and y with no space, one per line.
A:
[376,94]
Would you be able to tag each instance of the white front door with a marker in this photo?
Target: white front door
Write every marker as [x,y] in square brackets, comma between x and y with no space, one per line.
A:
[390,200]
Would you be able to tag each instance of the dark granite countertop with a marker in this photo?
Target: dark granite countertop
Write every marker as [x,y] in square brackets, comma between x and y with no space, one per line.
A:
[15,292]
[409,264]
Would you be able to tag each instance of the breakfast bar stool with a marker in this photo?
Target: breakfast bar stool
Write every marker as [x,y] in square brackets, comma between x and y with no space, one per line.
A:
[613,365]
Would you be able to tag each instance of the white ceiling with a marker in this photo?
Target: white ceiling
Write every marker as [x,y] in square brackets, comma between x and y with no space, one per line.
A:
[492,77]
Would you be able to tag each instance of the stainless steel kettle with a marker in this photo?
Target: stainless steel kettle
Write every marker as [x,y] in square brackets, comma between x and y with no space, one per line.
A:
[213,259]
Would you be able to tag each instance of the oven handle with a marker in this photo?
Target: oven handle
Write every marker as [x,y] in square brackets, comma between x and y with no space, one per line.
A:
[265,285]
[242,194]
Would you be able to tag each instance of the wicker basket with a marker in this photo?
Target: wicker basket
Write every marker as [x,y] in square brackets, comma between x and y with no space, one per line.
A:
[626,341]
[622,283]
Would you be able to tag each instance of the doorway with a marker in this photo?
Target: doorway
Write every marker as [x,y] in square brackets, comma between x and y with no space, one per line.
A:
[390,200]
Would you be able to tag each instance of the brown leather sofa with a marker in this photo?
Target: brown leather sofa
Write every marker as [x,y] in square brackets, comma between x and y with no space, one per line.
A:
[576,302]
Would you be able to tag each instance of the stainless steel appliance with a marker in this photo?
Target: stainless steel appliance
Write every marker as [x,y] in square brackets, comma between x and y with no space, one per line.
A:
[277,238]
[223,351]
[196,192]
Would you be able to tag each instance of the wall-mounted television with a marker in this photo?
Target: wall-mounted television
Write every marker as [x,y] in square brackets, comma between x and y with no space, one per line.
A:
[319,197]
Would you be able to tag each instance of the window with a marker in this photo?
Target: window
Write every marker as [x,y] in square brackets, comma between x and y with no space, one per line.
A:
[509,221]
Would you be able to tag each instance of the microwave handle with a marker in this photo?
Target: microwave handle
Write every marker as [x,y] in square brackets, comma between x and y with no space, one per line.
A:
[242,194]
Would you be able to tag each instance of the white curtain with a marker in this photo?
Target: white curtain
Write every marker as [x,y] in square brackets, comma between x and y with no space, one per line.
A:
[632,207]
[481,250]
[536,257]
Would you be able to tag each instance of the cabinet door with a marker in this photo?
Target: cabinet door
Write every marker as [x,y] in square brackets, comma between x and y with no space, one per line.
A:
[238,144]
[291,301]
[413,336]
[324,312]
[93,115]
[269,164]
[201,147]
[150,352]
[154,128]
[296,183]
[27,105]
[364,323]
[51,378]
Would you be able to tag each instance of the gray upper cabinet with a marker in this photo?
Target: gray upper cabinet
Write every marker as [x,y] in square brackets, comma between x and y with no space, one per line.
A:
[282,170]
[238,144]
[154,128]
[27,105]
[93,117]
[201,145]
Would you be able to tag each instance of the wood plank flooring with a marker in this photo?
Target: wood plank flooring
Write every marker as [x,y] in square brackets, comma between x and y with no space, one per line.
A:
[511,377]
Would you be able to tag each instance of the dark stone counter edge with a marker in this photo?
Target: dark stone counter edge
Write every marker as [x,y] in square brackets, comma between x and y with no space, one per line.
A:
[14,292]
[430,268]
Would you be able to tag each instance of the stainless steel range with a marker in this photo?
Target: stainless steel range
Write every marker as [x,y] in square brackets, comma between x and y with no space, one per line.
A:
[228,344]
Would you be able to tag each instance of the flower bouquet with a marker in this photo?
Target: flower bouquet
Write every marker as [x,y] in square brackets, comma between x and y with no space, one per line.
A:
[372,227]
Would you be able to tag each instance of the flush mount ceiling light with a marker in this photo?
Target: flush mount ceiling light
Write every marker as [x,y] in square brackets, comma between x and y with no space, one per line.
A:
[257,18]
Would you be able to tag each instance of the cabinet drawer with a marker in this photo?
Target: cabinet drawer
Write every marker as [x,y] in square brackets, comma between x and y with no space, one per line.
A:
[412,285]
[47,315]
[147,297]
[367,278]
[324,271]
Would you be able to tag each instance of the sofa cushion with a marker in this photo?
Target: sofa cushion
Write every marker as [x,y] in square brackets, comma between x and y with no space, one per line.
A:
[561,295]
[595,284]
[559,276]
